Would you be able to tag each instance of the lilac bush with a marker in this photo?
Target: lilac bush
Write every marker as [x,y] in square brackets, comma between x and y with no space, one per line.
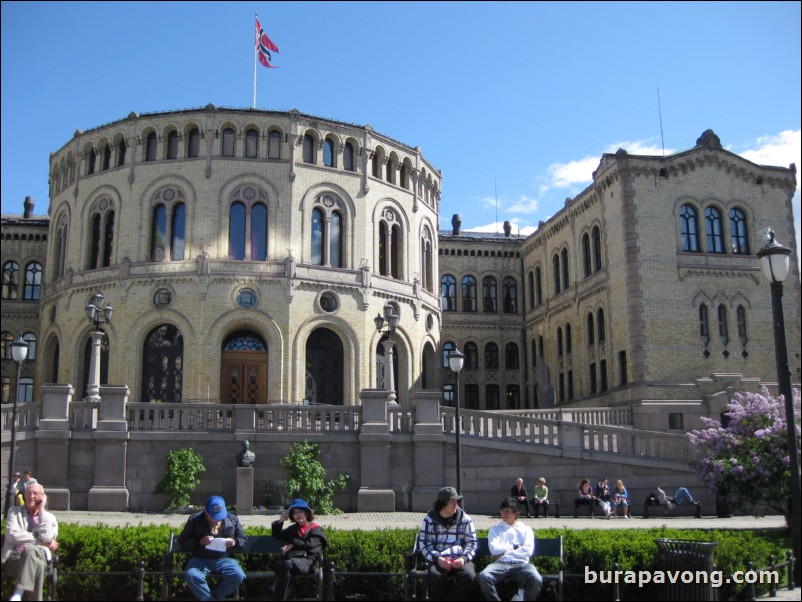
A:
[748,460]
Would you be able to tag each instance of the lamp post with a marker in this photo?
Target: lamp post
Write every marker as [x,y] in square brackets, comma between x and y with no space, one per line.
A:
[98,313]
[19,352]
[774,262]
[391,317]
[455,362]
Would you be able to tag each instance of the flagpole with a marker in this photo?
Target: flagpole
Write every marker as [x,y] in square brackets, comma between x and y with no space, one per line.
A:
[255,50]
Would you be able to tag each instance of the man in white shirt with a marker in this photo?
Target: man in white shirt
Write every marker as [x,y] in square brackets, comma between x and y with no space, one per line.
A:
[512,544]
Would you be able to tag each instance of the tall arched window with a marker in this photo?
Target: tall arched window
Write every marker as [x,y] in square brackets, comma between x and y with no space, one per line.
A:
[715,239]
[10,280]
[390,241]
[591,331]
[448,293]
[597,255]
[565,268]
[60,248]
[30,338]
[168,225]
[601,326]
[510,294]
[471,356]
[105,162]
[586,258]
[248,224]
[569,342]
[227,149]
[377,165]
[469,293]
[274,145]
[489,295]
[405,175]
[172,145]
[33,284]
[448,347]
[704,324]
[688,229]
[163,365]
[193,143]
[491,356]
[555,264]
[559,342]
[723,326]
[102,234]
[538,286]
[308,148]
[328,153]
[531,290]
[511,357]
[121,148]
[739,240]
[740,314]
[427,259]
[327,231]
[151,146]
[348,156]
[251,143]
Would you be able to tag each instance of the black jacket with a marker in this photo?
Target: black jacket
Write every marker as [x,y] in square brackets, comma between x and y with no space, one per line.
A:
[198,527]
[311,545]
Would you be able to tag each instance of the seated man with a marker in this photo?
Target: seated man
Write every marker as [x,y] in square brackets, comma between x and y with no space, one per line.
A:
[208,536]
[29,544]
[518,491]
[512,544]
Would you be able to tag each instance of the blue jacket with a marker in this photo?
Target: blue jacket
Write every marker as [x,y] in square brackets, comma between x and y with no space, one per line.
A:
[198,527]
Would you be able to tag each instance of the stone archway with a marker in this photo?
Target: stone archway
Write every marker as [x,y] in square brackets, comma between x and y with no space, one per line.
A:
[324,368]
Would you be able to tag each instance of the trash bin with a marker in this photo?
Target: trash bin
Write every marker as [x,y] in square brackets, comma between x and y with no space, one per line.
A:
[687,567]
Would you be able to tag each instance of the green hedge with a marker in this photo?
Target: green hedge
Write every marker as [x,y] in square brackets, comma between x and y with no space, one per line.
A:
[105,549]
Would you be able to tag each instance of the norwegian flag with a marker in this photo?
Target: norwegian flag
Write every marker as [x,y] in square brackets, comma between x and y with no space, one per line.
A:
[264,46]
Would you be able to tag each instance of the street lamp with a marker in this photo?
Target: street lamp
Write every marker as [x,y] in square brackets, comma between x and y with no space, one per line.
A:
[98,314]
[19,352]
[391,317]
[455,362]
[774,262]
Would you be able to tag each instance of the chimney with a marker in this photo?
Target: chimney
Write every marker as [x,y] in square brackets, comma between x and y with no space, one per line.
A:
[456,224]
[507,228]
[28,204]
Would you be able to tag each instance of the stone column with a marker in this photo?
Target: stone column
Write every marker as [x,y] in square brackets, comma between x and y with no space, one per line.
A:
[109,491]
[93,388]
[53,445]
[375,493]
[428,441]
[244,490]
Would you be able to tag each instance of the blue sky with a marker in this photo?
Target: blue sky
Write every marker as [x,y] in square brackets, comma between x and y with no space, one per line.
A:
[514,102]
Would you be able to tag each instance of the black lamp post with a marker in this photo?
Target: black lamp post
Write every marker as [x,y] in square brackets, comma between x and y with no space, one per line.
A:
[19,352]
[98,314]
[391,317]
[455,362]
[774,260]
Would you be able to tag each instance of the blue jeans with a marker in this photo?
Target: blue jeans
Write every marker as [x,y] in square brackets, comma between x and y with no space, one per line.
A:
[522,573]
[683,497]
[199,569]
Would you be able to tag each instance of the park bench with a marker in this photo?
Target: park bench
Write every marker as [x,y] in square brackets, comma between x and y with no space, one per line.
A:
[652,504]
[417,585]
[261,545]
[51,579]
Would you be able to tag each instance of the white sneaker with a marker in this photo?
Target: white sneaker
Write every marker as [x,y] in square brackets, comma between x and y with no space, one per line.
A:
[15,597]
[609,515]
[627,516]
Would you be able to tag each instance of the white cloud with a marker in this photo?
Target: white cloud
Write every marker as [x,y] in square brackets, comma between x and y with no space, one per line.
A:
[498,227]
[524,204]
[565,175]
[782,149]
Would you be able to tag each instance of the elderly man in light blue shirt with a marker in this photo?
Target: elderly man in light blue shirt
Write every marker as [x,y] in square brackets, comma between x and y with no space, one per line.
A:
[512,544]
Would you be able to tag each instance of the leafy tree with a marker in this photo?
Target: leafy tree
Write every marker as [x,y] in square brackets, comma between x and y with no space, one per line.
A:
[748,460]
[180,477]
[306,478]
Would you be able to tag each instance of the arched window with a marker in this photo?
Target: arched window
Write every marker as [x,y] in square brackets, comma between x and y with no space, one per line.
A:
[704,324]
[163,365]
[90,161]
[511,357]
[377,165]
[327,231]
[308,148]
[538,286]
[555,264]
[405,176]
[569,344]
[491,356]
[559,342]
[565,269]
[715,239]
[121,148]
[328,153]
[227,149]
[251,144]
[102,232]
[193,143]
[448,293]
[106,157]
[448,347]
[471,356]
[348,157]
[600,325]
[168,225]
[33,283]
[30,338]
[739,240]
[248,224]
[10,280]
[469,294]
[151,145]
[391,166]
[597,255]
[586,258]
[591,331]
[510,294]
[723,327]
[489,295]
[172,145]
[274,145]
[60,248]
[390,241]
[427,259]
[531,290]
[740,314]
[688,229]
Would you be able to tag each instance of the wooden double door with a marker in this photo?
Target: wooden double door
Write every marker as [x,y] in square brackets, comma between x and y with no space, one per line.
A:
[243,377]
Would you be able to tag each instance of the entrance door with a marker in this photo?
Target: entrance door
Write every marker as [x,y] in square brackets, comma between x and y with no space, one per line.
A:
[324,368]
[243,377]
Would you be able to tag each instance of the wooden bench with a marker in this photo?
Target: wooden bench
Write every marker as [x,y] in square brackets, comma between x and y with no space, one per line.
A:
[264,545]
[653,503]
[51,579]
[416,586]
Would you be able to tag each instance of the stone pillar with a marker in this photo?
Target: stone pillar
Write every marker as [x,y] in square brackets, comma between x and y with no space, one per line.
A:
[109,492]
[428,441]
[375,493]
[244,490]
[93,388]
[53,445]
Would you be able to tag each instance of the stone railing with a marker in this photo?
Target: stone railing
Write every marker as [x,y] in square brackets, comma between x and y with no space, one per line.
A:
[666,446]
[601,416]
[29,414]
[506,427]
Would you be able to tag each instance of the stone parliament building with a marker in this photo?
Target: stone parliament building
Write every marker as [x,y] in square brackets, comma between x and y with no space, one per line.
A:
[247,254]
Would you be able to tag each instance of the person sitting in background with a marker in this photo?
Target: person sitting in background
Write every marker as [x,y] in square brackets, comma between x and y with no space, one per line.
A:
[518,491]
[603,496]
[620,499]
[541,499]
[584,497]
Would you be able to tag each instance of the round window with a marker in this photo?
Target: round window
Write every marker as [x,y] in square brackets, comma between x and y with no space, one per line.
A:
[162,298]
[246,298]
[328,302]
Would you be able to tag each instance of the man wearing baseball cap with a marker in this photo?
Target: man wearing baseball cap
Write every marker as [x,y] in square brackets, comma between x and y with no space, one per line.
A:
[208,536]
[447,540]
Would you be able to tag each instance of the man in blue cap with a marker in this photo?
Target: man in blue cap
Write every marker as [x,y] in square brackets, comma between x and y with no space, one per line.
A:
[209,536]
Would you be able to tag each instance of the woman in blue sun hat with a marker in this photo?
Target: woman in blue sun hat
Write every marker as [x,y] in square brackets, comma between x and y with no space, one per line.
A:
[303,550]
